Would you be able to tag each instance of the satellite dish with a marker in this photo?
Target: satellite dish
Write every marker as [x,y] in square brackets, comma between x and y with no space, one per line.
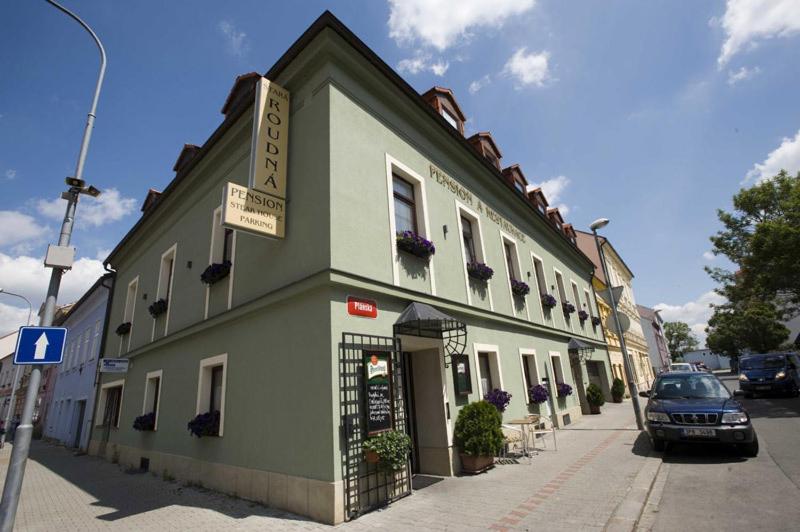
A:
[624,321]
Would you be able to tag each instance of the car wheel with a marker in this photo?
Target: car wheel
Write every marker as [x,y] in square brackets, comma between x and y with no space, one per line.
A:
[750,449]
[795,392]
[659,445]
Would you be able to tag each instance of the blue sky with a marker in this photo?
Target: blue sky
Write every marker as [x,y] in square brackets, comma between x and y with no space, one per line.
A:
[652,113]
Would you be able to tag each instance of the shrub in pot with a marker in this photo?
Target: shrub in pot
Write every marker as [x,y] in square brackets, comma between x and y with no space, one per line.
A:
[617,390]
[478,436]
[594,396]
[391,449]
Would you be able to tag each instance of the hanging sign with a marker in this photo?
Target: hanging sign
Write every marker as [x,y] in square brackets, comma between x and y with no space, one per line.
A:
[378,378]
[269,153]
[357,306]
[245,209]
[114,365]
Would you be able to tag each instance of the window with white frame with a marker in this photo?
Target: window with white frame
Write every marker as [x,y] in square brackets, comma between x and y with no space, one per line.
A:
[165,274]
[562,295]
[98,328]
[530,371]
[130,301]
[152,394]
[211,387]
[558,370]
[221,240]
[453,121]
[512,263]
[541,280]
[587,298]
[576,295]
[471,237]
[488,366]
[87,337]
[110,403]
[405,205]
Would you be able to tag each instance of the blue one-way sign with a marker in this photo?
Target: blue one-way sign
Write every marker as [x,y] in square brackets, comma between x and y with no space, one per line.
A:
[40,345]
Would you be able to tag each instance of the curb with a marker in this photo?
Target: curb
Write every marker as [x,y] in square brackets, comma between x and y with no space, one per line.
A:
[627,514]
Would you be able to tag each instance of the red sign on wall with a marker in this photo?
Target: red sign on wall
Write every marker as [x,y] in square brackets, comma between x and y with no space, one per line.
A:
[357,306]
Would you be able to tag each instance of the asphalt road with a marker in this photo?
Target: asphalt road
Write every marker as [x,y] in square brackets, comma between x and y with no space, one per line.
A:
[714,488]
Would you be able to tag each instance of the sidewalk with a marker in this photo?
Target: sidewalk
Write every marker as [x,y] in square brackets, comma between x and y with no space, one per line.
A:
[577,487]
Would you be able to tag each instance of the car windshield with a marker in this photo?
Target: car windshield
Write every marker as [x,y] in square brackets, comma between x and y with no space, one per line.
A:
[768,362]
[690,386]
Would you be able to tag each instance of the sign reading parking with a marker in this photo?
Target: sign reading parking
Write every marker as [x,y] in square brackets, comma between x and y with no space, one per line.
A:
[40,345]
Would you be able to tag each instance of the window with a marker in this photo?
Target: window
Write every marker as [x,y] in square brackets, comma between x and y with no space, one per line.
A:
[541,282]
[486,373]
[165,274]
[509,252]
[152,394]
[211,387]
[449,118]
[227,245]
[222,240]
[488,368]
[86,339]
[405,208]
[110,403]
[588,301]
[519,186]
[562,295]
[98,327]
[558,371]
[469,239]
[575,295]
[530,370]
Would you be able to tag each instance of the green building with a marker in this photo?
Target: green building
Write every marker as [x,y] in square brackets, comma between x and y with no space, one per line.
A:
[276,337]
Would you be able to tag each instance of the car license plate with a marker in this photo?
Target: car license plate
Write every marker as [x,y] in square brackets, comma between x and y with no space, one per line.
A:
[763,387]
[699,433]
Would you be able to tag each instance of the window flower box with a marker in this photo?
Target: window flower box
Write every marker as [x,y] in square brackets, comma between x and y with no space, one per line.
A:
[499,398]
[205,424]
[123,328]
[567,307]
[583,315]
[158,308]
[538,394]
[596,321]
[548,301]
[216,272]
[412,243]
[146,422]
[520,288]
[479,271]
[563,389]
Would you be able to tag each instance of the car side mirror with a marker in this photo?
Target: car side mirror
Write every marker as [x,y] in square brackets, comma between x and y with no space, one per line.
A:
[738,393]
[644,393]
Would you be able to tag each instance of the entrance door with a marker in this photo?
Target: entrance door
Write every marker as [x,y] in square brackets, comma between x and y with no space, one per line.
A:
[81,411]
[577,378]
[428,413]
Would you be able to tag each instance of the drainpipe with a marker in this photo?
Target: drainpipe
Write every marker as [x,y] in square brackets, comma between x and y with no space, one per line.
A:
[113,277]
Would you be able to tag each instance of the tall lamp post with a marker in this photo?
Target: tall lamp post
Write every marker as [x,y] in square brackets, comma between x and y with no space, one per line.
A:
[626,361]
[12,398]
[62,260]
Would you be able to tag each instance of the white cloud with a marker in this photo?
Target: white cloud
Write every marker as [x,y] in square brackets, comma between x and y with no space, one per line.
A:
[742,74]
[529,69]
[784,157]
[12,318]
[11,174]
[746,22]
[440,67]
[235,39]
[694,313]
[552,188]
[16,228]
[478,84]
[422,62]
[709,256]
[109,207]
[443,23]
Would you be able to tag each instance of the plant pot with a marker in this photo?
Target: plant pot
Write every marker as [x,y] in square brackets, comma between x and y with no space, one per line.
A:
[474,464]
[594,409]
[617,399]
[371,457]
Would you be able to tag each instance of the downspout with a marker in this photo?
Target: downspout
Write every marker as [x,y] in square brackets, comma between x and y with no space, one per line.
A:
[113,275]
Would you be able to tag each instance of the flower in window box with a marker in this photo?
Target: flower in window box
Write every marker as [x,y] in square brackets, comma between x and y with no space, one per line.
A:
[123,328]
[596,321]
[145,422]
[205,424]
[499,398]
[520,288]
[568,307]
[564,389]
[548,301]
[216,272]
[411,242]
[479,271]
[158,308]
[538,394]
[583,315]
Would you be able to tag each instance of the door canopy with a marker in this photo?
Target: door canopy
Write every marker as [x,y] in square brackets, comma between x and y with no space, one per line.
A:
[419,319]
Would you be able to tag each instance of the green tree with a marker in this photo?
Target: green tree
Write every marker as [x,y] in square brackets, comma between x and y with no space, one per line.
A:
[680,338]
[752,324]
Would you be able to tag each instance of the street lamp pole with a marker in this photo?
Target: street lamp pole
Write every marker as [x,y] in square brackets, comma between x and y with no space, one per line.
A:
[626,361]
[13,397]
[22,438]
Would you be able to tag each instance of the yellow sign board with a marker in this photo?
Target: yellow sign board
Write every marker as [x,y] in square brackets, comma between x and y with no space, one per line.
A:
[270,155]
[245,209]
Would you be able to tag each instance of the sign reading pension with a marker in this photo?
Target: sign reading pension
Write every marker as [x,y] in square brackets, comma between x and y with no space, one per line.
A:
[270,154]
[245,209]
[379,392]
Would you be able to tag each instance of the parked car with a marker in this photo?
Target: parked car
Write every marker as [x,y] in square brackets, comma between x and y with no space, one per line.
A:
[695,407]
[771,373]
[681,366]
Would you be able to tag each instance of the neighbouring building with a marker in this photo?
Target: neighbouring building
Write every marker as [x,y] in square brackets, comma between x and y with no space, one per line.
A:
[621,278]
[712,360]
[8,344]
[71,399]
[287,353]
[653,328]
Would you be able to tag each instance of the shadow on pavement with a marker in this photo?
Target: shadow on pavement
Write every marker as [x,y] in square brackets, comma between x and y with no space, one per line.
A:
[642,445]
[132,494]
[705,453]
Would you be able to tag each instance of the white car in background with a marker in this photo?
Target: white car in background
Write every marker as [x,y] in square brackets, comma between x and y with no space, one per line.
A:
[682,366]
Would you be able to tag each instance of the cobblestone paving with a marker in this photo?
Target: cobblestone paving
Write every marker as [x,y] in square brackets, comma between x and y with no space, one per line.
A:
[576,487]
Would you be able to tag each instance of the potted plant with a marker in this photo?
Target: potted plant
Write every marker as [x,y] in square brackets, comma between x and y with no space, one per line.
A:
[216,272]
[389,450]
[205,424]
[411,242]
[563,389]
[617,390]
[583,315]
[478,436]
[479,271]
[548,301]
[158,308]
[123,328]
[498,398]
[594,396]
[596,321]
[538,394]
[567,307]
[520,288]
[145,422]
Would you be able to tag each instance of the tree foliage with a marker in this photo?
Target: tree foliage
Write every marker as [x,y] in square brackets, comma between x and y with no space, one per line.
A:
[753,325]
[680,338]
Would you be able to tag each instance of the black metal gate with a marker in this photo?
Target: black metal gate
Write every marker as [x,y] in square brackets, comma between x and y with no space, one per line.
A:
[366,488]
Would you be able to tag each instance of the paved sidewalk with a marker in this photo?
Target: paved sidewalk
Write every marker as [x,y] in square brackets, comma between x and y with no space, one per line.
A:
[577,487]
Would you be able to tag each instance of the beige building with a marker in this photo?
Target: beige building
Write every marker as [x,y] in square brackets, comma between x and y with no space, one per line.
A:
[635,341]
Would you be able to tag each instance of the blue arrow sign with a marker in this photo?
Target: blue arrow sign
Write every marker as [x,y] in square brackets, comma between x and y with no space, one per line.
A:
[40,345]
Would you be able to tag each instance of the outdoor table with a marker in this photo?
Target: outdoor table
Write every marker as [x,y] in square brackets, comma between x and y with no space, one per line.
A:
[524,425]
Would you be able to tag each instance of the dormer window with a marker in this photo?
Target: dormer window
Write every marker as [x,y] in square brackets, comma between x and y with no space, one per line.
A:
[519,186]
[443,101]
[453,121]
[484,144]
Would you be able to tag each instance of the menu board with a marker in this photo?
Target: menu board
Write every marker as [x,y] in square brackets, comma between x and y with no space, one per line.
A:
[462,377]
[378,378]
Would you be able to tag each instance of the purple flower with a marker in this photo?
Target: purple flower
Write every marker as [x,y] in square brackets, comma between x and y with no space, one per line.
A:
[498,398]
[205,424]
[583,315]
[145,422]
[479,271]
[520,288]
[538,394]
[548,301]
[596,321]
[410,242]
[564,389]
[568,307]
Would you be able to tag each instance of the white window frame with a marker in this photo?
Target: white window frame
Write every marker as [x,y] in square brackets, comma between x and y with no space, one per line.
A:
[525,353]
[449,118]
[125,316]
[101,404]
[204,386]
[534,259]
[554,354]
[172,253]
[393,166]
[98,329]
[561,296]
[463,210]
[588,296]
[576,293]
[151,375]
[507,239]
[215,250]
[491,350]
[87,344]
